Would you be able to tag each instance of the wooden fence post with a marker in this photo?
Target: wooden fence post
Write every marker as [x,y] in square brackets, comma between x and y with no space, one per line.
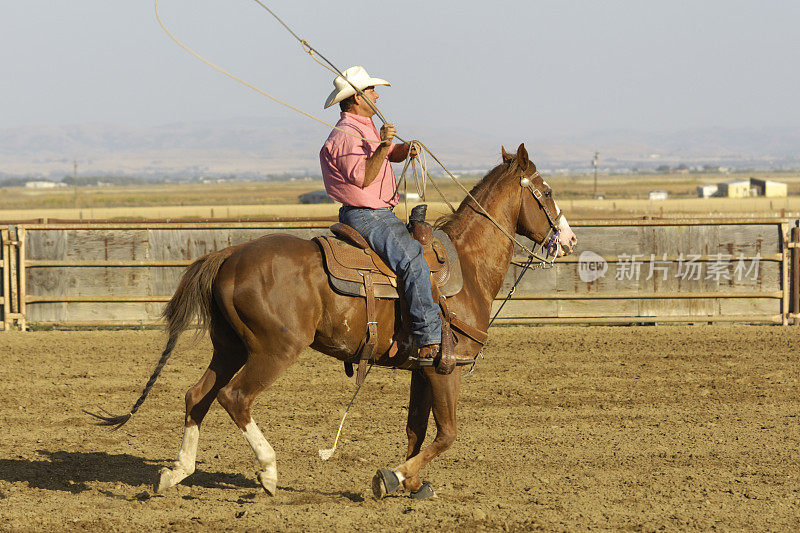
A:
[795,253]
[13,264]
[13,277]
[784,239]
[23,323]
[5,273]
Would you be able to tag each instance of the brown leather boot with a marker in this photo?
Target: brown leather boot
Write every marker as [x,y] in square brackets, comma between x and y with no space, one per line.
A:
[447,361]
[428,352]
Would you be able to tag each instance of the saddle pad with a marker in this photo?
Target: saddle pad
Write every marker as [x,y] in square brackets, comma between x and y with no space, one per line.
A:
[345,279]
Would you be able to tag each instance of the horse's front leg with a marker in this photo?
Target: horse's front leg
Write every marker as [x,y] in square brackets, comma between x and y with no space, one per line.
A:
[419,410]
[443,390]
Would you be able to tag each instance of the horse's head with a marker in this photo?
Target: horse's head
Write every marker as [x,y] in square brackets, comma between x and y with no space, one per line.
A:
[539,218]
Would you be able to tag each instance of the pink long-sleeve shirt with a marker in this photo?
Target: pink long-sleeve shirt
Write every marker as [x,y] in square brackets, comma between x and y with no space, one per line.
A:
[343,160]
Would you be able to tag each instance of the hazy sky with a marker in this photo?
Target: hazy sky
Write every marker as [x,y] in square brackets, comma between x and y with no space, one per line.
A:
[531,68]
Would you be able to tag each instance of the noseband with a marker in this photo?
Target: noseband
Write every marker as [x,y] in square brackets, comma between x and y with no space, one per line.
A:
[549,245]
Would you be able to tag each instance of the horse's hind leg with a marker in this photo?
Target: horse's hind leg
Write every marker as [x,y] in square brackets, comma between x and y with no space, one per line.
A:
[260,371]
[198,401]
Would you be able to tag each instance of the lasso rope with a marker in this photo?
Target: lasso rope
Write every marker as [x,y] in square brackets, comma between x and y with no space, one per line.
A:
[420,147]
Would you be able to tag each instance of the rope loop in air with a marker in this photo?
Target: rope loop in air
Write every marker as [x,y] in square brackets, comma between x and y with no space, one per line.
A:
[421,149]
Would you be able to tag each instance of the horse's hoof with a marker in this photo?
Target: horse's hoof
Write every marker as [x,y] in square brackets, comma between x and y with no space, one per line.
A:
[384,482]
[425,491]
[164,480]
[270,485]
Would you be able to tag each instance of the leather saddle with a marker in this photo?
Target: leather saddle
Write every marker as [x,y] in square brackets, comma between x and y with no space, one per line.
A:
[348,256]
[354,269]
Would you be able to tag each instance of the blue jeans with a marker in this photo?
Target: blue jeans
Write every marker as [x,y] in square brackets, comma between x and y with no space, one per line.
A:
[389,237]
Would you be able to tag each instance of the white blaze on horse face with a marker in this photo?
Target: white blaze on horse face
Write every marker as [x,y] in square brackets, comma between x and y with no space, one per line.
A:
[265,456]
[566,238]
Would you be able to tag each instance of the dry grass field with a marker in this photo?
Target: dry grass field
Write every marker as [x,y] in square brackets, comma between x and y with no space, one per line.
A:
[625,195]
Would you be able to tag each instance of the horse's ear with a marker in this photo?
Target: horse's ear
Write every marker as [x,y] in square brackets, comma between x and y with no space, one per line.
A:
[507,158]
[522,156]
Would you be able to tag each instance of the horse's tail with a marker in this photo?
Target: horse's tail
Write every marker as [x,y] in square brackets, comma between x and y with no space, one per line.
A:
[192,298]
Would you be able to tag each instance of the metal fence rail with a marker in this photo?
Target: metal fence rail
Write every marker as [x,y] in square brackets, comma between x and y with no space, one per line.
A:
[119,274]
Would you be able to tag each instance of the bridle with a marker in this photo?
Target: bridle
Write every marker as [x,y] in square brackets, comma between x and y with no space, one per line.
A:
[549,245]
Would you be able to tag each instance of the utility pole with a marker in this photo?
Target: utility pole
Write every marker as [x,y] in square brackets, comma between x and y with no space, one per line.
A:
[594,164]
[75,179]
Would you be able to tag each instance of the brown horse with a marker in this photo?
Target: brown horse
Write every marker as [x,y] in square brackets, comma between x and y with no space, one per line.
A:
[266,300]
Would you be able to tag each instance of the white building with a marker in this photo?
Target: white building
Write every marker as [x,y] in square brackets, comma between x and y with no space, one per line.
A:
[735,189]
[707,191]
[770,189]
[744,188]
[43,185]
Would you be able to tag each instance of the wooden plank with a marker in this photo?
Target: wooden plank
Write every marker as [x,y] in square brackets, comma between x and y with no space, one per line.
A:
[744,239]
[37,263]
[98,244]
[52,312]
[99,323]
[778,257]
[778,295]
[667,276]
[525,308]
[678,221]
[323,222]
[90,312]
[589,308]
[91,281]
[47,244]
[276,225]
[190,244]
[186,245]
[751,306]
[517,297]
[622,320]
[105,299]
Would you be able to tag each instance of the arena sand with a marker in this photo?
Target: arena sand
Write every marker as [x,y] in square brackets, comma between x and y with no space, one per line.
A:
[568,428]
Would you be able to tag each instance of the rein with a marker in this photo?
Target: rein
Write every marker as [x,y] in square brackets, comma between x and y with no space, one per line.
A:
[527,266]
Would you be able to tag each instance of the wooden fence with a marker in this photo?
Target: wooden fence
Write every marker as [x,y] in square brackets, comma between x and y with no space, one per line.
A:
[625,271]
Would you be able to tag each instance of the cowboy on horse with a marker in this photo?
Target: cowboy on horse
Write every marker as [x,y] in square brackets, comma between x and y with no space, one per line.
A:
[355,161]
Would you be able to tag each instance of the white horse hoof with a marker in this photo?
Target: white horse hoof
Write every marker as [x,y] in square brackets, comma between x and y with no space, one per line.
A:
[270,484]
[165,480]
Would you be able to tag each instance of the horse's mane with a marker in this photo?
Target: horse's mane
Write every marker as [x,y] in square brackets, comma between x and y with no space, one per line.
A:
[448,221]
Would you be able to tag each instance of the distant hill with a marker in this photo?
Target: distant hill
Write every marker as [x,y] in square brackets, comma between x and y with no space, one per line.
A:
[253,147]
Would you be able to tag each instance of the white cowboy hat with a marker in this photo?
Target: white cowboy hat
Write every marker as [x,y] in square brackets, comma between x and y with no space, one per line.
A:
[358,77]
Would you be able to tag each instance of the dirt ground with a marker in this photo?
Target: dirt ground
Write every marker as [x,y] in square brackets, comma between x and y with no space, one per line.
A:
[567,428]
